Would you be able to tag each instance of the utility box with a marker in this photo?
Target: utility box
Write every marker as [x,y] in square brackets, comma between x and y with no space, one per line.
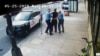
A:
[66,13]
[73,5]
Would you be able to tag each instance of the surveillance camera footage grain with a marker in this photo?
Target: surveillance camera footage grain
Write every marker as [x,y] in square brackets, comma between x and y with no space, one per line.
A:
[49,27]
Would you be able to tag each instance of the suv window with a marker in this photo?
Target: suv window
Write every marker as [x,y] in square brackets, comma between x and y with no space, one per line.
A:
[22,16]
[65,3]
[35,13]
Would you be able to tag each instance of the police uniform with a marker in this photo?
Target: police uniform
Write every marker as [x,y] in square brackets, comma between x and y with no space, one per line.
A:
[49,26]
[61,22]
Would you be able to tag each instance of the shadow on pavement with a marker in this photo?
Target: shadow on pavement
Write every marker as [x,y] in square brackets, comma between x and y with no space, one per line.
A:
[5,45]
[23,36]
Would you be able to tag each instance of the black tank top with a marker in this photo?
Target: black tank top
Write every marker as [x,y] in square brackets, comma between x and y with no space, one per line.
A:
[54,15]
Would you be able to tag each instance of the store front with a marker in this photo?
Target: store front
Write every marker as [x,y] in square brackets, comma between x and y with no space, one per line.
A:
[94,18]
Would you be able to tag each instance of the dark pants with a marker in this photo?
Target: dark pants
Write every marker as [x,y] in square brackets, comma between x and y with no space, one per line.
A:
[54,24]
[61,23]
[49,26]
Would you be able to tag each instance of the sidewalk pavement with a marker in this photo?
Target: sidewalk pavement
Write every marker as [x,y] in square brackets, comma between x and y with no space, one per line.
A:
[68,43]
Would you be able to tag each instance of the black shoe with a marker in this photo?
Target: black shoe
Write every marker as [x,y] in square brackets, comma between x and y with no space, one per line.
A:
[63,31]
[46,32]
[55,31]
[0,49]
[59,32]
[51,33]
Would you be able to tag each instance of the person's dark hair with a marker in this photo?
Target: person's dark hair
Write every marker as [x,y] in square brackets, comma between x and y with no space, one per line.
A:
[54,9]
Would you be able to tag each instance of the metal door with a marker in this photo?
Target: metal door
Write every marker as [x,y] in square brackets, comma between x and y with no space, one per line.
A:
[73,5]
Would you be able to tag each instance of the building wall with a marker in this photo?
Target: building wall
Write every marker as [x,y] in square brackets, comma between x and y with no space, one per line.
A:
[94,24]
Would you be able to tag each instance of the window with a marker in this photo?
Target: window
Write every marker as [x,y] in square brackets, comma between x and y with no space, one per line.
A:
[95,29]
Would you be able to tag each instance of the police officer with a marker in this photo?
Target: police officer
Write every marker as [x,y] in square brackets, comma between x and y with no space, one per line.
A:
[54,20]
[61,22]
[48,19]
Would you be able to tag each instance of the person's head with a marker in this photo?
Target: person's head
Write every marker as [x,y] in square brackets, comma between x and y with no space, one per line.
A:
[54,10]
[48,10]
[59,11]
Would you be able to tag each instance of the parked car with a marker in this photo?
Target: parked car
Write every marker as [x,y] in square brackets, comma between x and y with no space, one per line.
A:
[65,5]
[24,21]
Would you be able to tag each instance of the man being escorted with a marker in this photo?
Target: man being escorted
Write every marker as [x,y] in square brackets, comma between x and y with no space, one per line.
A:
[54,20]
[61,22]
[48,22]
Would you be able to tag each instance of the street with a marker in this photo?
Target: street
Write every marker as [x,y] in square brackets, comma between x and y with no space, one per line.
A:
[5,44]
[38,43]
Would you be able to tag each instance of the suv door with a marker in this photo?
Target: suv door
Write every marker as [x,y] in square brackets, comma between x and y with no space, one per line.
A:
[34,19]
